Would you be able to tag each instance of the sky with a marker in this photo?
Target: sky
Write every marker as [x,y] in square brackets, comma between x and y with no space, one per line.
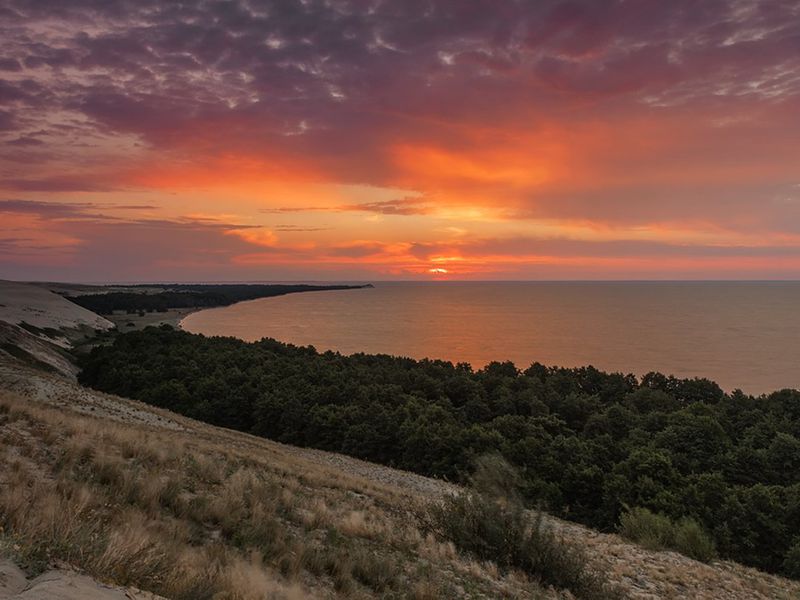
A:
[346,140]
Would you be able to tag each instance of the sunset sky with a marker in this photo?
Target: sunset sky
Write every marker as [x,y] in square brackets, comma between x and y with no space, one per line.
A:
[399,139]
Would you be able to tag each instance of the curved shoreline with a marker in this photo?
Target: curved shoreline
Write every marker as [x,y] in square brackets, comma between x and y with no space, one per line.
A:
[553,325]
[179,322]
[174,317]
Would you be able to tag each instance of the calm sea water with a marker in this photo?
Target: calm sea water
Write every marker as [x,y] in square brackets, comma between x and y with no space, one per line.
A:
[741,335]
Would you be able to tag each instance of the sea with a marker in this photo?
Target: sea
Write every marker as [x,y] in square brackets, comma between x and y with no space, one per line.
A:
[743,335]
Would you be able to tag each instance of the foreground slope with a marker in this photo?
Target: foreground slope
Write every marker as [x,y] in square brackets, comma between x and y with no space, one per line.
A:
[138,490]
[140,497]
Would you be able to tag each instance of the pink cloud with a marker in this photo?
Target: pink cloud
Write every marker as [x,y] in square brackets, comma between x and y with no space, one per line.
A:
[495,118]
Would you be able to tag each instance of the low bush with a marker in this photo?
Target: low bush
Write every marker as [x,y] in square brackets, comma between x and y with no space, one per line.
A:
[373,571]
[693,541]
[791,564]
[488,521]
[659,532]
[648,529]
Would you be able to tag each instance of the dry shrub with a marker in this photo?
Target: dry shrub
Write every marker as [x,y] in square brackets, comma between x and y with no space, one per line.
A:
[77,451]
[198,518]
[156,491]
[245,509]
[434,549]
[135,554]
[489,522]
[320,516]
[232,500]
[373,570]
[197,574]
[135,444]
[108,469]
[340,568]
[287,500]
[204,469]
[250,580]
[142,554]
[262,530]
[426,590]
[292,561]
[49,519]
[16,414]
[357,523]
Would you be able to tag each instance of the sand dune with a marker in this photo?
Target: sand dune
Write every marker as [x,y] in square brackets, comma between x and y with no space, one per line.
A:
[37,306]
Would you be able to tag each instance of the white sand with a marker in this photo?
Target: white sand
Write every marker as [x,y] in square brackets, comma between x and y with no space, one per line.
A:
[37,306]
[61,584]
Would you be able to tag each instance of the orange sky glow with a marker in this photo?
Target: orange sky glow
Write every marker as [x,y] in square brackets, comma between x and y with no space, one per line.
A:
[433,139]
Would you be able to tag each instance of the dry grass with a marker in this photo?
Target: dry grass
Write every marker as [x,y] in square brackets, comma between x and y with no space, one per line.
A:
[360,523]
[179,482]
[191,515]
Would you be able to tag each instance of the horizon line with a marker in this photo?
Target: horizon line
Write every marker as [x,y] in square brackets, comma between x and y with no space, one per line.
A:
[378,281]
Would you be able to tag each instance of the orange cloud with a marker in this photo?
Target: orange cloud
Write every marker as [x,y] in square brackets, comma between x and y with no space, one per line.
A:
[257,237]
[493,165]
[523,142]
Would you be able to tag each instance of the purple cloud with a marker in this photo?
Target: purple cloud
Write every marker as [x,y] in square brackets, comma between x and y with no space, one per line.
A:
[637,113]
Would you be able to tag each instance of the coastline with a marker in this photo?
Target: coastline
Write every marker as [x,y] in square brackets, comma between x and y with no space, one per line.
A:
[177,321]
[133,322]
[137,319]
[565,325]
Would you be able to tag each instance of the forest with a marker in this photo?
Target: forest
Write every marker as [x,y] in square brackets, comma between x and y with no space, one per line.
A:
[190,296]
[587,445]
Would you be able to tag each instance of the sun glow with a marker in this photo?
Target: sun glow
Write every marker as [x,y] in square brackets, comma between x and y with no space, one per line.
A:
[528,162]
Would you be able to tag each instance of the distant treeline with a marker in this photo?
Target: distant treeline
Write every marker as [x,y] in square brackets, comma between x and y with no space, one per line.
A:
[586,443]
[190,296]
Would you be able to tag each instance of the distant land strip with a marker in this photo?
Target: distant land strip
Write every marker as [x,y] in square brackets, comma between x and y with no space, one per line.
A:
[192,296]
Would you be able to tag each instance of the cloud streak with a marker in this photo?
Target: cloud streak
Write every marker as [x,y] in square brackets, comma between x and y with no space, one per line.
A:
[354,127]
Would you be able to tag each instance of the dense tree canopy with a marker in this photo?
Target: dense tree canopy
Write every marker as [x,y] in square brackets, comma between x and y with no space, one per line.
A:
[586,443]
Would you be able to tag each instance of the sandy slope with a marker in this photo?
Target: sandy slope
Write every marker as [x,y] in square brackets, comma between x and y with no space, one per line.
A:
[643,574]
[22,302]
[60,584]
[37,325]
